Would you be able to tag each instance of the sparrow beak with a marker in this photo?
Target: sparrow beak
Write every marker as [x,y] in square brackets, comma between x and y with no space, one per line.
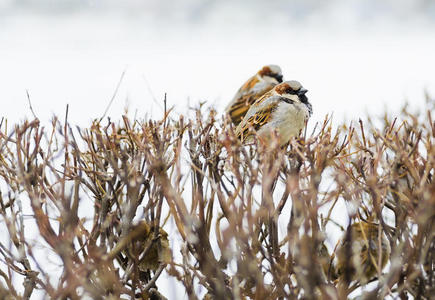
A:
[279,78]
[302,92]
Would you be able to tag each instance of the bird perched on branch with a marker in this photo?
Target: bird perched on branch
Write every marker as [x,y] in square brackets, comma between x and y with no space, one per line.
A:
[251,90]
[359,251]
[141,244]
[284,109]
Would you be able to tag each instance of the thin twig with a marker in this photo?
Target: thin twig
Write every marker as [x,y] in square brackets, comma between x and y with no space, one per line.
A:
[114,95]
[30,105]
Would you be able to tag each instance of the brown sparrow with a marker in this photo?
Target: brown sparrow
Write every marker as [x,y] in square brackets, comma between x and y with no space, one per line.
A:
[284,109]
[359,250]
[251,90]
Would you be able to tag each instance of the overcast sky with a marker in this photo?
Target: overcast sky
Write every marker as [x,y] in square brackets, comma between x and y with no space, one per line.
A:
[352,56]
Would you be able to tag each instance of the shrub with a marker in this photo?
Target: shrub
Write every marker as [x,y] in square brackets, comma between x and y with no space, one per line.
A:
[115,206]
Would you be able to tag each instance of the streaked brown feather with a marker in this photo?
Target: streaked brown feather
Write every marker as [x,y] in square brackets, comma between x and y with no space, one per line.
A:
[248,85]
[245,99]
[256,121]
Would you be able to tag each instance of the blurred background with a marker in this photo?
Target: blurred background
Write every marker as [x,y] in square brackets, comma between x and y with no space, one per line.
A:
[352,56]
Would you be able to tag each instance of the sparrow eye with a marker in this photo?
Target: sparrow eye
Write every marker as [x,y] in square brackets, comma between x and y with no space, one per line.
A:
[291,91]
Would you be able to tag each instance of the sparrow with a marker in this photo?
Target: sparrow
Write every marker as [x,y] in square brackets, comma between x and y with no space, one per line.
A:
[256,86]
[140,245]
[284,109]
[358,252]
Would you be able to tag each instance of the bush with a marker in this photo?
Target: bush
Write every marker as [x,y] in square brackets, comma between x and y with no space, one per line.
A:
[114,206]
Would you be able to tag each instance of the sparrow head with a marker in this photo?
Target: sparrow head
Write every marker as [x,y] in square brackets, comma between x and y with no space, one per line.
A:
[271,73]
[292,91]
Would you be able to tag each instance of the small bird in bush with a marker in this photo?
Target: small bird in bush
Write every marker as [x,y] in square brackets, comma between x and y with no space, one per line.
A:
[358,252]
[142,245]
[284,109]
[251,90]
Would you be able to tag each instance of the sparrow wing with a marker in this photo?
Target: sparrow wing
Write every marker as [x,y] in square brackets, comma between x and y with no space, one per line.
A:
[257,116]
[252,90]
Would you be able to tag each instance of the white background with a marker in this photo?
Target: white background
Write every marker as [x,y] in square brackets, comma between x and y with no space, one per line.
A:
[351,57]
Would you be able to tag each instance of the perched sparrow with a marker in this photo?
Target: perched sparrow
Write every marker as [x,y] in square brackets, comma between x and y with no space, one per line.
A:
[285,109]
[358,252]
[251,90]
[141,238]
